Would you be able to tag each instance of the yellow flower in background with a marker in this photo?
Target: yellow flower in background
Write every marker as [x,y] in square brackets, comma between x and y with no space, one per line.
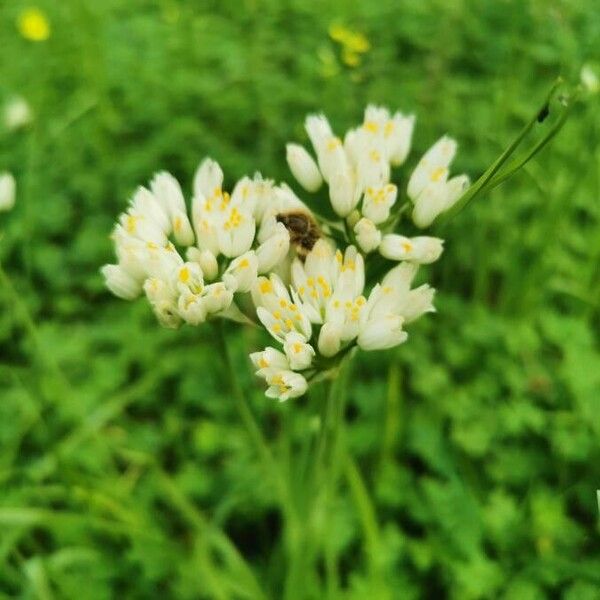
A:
[33,25]
[353,43]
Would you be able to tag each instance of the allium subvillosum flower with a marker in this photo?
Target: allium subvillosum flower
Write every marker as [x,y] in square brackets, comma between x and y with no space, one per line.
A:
[429,188]
[358,173]
[191,265]
[326,311]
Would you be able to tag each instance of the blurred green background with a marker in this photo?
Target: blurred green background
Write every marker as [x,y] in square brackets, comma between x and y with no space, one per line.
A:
[125,471]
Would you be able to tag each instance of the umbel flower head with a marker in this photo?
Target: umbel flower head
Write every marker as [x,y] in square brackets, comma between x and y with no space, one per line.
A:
[191,264]
[326,311]
[317,301]
[358,172]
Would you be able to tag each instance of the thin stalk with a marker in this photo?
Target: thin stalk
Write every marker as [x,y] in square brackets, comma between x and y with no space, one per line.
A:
[491,177]
[367,517]
[293,525]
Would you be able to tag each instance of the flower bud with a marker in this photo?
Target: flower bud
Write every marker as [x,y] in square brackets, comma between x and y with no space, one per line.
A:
[341,193]
[182,229]
[120,282]
[421,250]
[272,251]
[303,167]
[367,235]
[330,339]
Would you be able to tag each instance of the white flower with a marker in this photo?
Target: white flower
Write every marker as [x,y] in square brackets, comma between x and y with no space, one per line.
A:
[207,261]
[284,385]
[276,310]
[298,352]
[167,191]
[274,249]
[218,297]
[368,236]
[269,361]
[303,167]
[394,296]
[237,232]
[342,192]
[330,339]
[17,113]
[241,274]
[208,179]
[192,307]
[120,282]
[382,333]
[7,191]
[395,131]
[422,250]
[163,299]
[377,202]
[429,187]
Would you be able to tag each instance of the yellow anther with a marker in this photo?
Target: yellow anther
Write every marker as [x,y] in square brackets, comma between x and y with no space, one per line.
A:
[276,327]
[406,246]
[277,314]
[283,303]
[177,223]
[333,143]
[263,363]
[244,263]
[388,129]
[375,155]
[288,323]
[265,286]
[371,126]
[297,347]
[438,173]
[184,275]
[131,223]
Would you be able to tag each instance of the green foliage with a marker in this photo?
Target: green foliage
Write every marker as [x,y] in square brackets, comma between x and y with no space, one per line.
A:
[125,470]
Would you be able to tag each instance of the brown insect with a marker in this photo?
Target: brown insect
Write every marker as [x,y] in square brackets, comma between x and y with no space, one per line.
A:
[304,231]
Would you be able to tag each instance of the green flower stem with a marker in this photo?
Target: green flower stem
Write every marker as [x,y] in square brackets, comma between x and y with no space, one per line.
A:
[367,517]
[293,525]
[492,176]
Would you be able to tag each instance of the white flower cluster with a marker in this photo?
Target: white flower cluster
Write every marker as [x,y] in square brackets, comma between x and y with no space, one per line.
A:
[358,173]
[325,312]
[215,252]
[316,301]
